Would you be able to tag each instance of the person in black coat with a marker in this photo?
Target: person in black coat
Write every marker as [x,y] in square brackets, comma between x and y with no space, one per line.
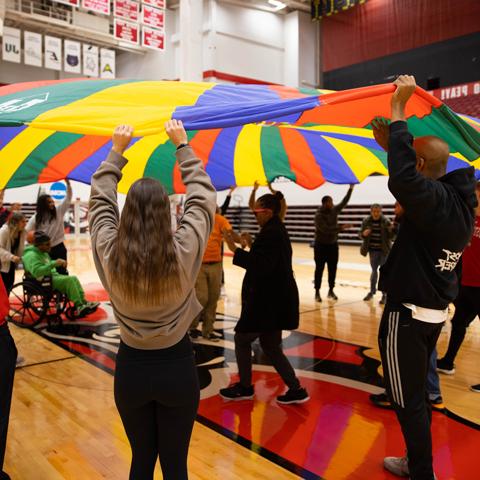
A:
[270,302]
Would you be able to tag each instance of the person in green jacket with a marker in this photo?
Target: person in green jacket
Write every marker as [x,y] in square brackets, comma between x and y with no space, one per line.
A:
[37,262]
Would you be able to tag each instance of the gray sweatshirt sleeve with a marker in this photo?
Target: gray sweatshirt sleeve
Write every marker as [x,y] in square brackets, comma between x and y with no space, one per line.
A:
[63,207]
[103,214]
[199,211]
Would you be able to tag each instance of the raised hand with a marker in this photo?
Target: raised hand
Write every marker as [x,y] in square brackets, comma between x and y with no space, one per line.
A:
[121,138]
[381,131]
[405,87]
[175,131]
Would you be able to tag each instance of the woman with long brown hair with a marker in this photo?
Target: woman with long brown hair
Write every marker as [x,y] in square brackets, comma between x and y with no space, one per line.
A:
[12,242]
[150,275]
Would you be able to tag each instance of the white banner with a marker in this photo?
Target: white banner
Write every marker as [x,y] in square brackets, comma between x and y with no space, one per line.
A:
[53,53]
[11,44]
[90,60]
[107,63]
[71,57]
[33,48]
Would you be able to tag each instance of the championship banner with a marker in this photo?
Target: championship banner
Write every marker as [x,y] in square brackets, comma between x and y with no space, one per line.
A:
[73,3]
[11,45]
[153,17]
[71,57]
[99,6]
[153,38]
[90,60]
[53,53]
[33,48]
[127,9]
[155,3]
[126,31]
[107,63]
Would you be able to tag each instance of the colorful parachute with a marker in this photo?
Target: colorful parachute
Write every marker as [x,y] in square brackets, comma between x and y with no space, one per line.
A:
[243,133]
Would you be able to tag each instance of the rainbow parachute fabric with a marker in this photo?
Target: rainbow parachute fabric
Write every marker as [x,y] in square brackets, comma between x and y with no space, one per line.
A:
[243,133]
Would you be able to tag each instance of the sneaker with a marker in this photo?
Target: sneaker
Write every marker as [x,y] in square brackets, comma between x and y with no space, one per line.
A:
[437,404]
[381,400]
[237,392]
[213,337]
[397,465]
[20,361]
[331,294]
[475,388]
[383,300]
[300,395]
[318,298]
[82,310]
[194,333]
[444,367]
[368,297]
[93,306]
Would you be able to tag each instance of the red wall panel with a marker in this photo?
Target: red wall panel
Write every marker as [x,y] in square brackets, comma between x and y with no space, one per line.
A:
[382,27]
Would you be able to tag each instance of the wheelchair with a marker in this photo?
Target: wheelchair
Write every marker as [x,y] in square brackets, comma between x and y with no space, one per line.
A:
[33,301]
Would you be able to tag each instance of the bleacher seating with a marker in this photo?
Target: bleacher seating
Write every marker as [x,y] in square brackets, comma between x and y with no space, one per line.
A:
[300,221]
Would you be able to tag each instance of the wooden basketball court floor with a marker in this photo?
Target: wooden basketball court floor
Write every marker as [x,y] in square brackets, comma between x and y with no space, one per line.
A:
[64,424]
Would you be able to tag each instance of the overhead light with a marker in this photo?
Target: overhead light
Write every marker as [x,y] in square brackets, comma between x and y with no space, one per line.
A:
[277,4]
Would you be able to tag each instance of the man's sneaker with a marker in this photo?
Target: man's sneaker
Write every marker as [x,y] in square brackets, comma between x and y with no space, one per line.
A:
[475,388]
[397,465]
[82,310]
[444,367]
[437,404]
[237,392]
[213,337]
[300,395]
[318,298]
[381,400]
[368,297]
[383,300]
[331,294]
[194,333]
[93,306]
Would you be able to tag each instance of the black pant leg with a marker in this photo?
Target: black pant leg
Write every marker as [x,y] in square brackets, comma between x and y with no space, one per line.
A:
[467,307]
[59,251]
[243,354]
[332,262]
[9,277]
[8,357]
[405,346]
[271,343]
[320,255]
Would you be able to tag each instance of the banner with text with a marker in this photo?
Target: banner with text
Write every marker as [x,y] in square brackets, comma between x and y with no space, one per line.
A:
[153,38]
[32,48]
[100,6]
[126,31]
[155,3]
[71,57]
[107,63]
[11,44]
[73,3]
[90,60]
[127,9]
[53,53]
[153,17]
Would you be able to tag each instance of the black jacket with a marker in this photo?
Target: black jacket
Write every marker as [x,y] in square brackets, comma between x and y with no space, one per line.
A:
[269,291]
[386,233]
[326,222]
[436,227]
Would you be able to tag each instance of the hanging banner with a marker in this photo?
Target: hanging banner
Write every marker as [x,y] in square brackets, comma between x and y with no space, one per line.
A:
[100,6]
[127,9]
[126,31]
[73,3]
[152,38]
[53,53]
[153,17]
[90,60]
[107,63]
[71,57]
[155,3]
[11,44]
[32,48]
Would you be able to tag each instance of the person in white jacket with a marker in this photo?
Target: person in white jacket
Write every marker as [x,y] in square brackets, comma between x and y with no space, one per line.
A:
[12,242]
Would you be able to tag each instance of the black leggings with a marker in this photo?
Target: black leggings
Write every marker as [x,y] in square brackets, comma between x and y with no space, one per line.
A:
[59,251]
[325,254]
[157,395]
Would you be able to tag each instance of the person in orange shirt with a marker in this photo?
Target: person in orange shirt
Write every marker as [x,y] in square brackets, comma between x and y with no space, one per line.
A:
[209,279]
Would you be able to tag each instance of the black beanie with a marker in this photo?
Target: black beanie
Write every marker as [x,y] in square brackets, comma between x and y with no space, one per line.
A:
[40,237]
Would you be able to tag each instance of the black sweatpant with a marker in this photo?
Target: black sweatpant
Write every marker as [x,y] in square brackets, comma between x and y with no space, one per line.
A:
[9,277]
[325,253]
[59,251]
[467,308]
[157,395]
[271,343]
[406,345]
[8,358]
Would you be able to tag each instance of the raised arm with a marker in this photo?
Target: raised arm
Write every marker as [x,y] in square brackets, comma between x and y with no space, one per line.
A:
[63,207]
[226,202]
[251,200]
[345,200]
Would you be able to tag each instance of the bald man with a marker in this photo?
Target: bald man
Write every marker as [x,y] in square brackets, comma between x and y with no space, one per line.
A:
[419,276]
